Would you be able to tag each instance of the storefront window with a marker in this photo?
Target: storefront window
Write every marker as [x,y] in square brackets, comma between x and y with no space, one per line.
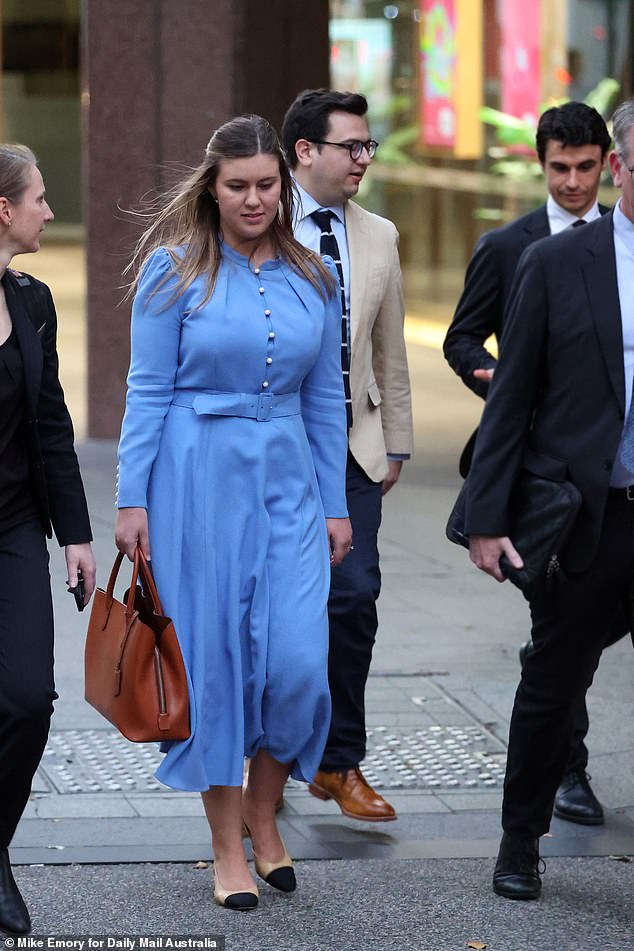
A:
[428,67]
[39,93]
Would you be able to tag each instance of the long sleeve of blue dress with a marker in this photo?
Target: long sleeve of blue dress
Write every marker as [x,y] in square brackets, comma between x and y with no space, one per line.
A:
[155,338]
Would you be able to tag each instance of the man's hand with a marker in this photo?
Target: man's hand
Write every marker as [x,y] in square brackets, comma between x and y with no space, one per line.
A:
[339,538]
[79,558]
[486,550]
[394,467]
[486,375]
[131,528]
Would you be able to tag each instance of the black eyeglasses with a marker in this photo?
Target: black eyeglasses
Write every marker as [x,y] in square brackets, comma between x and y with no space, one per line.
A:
[355,147]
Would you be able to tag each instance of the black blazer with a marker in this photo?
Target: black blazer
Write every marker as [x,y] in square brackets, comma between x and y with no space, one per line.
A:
[481,308]
[54,470]
[556,404]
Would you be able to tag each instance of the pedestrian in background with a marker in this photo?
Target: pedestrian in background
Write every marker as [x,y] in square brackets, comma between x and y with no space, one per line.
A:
[231,476]
[40,490]
[561,402]
[572,148]
[328,146]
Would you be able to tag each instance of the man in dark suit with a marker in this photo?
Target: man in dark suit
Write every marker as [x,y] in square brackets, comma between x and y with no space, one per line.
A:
[561,402]
[572,146]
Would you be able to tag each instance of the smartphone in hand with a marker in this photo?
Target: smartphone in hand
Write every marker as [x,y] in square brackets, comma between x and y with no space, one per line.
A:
[79,591]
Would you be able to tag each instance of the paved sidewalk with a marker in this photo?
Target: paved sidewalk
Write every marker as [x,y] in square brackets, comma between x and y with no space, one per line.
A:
[439,697]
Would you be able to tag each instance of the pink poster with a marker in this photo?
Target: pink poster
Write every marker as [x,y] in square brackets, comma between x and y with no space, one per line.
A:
[438,52]
[520,72]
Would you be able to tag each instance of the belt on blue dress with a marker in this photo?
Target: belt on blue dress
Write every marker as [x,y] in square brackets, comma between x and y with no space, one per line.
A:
[260,406]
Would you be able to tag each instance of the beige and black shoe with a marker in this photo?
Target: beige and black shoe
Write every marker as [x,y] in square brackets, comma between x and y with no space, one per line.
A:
[245,900]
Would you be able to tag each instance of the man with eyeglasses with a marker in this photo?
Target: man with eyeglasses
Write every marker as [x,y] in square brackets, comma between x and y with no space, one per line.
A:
[328,147]
[572,147]
[561,403]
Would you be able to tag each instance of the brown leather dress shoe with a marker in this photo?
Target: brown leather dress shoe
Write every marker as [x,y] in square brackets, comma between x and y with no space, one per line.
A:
[353,794]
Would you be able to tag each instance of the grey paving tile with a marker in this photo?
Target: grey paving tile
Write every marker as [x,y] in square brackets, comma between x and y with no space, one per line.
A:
[167,805]
[39,784]
[97,832]
[408,717]
[80,806]
[415,802]
[311,806]
[473,799]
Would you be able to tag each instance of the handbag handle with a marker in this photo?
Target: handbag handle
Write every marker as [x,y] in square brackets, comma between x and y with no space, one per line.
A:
[140,569]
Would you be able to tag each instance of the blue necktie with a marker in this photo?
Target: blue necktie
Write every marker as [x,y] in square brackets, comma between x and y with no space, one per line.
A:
[627,443]
[328,245]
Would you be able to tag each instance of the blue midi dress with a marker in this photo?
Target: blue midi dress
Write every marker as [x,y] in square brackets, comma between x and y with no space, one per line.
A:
[234,439]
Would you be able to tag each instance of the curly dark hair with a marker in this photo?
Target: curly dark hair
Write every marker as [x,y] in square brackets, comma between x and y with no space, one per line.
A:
[309,116]
[574,124]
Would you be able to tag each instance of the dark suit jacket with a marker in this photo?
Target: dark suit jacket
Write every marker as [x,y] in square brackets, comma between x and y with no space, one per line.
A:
[557,401]
[480,310]
[57,485]
[488,280]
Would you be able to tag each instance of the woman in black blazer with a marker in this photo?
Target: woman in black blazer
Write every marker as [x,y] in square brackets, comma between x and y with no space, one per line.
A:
[40,490]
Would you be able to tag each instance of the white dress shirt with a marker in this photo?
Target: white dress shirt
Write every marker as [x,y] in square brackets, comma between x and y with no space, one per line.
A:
[559,219]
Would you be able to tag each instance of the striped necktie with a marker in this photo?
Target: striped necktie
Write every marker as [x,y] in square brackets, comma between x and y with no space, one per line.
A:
[328,245]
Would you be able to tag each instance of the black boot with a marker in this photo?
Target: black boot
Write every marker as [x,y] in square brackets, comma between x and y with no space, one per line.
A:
[516,872]
[575,800]
[14,915]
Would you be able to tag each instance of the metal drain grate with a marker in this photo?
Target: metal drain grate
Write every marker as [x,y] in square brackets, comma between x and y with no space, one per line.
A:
[435,757]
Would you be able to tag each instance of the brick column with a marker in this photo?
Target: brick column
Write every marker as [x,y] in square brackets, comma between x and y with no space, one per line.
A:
[158,77]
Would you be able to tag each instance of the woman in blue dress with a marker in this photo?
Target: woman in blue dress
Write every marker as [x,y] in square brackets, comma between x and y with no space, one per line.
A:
[232,477]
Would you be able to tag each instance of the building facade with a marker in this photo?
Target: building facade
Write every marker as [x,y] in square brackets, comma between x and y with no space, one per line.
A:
[114,95]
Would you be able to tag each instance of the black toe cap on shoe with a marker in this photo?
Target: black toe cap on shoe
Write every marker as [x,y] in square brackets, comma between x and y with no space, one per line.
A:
[241,901]
[283,879]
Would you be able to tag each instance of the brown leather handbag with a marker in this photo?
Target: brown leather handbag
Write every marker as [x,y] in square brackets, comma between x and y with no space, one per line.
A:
[134,671]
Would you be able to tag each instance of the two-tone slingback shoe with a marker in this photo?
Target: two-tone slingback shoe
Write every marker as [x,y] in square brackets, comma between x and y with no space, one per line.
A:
[245,900]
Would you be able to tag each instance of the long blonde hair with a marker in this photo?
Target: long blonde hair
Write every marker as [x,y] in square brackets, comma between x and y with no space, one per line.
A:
[186,219]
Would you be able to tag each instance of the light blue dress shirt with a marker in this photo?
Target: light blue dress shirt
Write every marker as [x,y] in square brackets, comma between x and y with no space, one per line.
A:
[308,232]
[624,250]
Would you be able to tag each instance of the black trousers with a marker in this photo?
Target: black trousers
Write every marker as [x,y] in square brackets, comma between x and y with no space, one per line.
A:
[578,758]
[27,689]
[354,590]
[571,625]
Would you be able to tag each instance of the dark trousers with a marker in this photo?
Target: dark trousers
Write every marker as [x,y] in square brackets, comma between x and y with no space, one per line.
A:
[578,758]
[571,625]
[27,690]
[354,590]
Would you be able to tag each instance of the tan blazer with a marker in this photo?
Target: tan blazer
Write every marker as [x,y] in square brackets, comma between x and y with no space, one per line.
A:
[379,378]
